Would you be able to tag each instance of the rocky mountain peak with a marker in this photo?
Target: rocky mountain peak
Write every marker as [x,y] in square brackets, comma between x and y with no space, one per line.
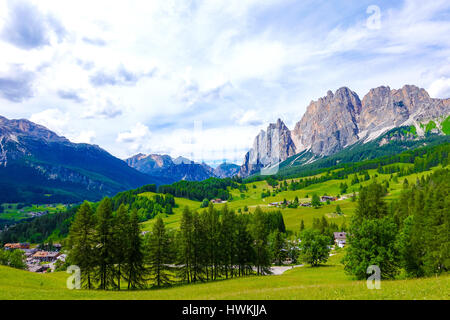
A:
[338,120]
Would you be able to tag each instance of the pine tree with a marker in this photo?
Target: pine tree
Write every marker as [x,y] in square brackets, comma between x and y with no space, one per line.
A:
[159,254]
[120,238]
[82,243]
[185,245]
[315,201]
[302,225]
[260,234]
[105,245]
[212,232]
[244,250]
[228,240]
[134,268]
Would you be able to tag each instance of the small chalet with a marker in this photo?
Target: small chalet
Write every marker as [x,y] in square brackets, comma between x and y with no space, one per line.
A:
[340,239]
[217,201]
[46,255]
[327,198]
[12,246]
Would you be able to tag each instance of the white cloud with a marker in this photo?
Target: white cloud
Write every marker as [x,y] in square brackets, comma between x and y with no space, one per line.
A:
[440,88]
[235,65]
[53,119]
[84,137]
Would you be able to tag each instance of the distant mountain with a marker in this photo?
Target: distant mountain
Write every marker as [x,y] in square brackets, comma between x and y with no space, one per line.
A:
[226,170]
[339,120]
[37,165]
[177,169]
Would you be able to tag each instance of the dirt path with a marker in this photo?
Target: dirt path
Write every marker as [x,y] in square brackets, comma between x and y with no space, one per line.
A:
[280,270]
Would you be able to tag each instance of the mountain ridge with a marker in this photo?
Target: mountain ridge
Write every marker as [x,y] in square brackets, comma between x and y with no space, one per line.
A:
[38,165]
[338,120]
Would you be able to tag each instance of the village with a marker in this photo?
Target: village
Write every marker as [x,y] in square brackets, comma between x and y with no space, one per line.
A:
[286,203]
[38,259]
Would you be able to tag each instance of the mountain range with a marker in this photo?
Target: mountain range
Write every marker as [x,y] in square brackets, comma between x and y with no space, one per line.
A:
[342,119]
[38,166]
[179,168]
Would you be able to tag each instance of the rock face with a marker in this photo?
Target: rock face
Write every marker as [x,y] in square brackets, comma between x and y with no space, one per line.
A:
[177,169]
[339,120]
[226,170]
[38,165]
[329,124]
[269,147]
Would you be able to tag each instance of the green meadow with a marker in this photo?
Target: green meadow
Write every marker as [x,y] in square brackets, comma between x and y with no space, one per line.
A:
[328,281]
[292,217]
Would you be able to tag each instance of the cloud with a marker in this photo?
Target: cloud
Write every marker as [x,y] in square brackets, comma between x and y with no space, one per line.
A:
[102,109]
[84,137]
[136,138]
[94,41]
[16,85]
[53,119]
[440,88]
[249,117]
[70,95]
[28,28]
[235,65]
[121,76]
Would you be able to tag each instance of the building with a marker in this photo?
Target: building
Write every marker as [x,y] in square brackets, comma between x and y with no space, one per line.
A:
[340,239]
[46,255]
[327,198]
[12,246]
[217,201]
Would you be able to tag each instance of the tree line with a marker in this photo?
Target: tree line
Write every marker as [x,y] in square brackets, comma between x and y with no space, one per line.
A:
[198,190]
[212,244]
[410,235]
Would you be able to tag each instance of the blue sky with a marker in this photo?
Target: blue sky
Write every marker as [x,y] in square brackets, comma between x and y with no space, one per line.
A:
[201,78]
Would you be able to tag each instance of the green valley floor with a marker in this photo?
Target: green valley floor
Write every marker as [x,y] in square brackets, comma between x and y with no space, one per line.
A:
[325,282]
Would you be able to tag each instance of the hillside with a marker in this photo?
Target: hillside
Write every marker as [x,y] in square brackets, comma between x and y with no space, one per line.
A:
[38,166]
[329,282]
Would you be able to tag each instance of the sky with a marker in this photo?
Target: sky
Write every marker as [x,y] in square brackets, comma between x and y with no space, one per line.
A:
[200,79]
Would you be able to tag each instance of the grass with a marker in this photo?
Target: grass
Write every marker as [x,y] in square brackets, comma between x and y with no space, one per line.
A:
[11,211]
[292,217]
[325,282]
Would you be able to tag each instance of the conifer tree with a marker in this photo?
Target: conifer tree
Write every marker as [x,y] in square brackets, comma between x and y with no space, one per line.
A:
[134,267]
[121,239]
[185,245]
[260,234]
[159,254]
[82,243]
[105,245]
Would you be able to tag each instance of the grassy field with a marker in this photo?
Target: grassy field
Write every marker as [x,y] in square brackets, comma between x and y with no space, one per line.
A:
[292,217]
[12,212]
[325,282]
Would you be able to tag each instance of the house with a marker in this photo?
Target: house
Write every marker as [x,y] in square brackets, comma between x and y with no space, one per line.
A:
[274,204]
[12,246]
[36,268]
[340,239]
[29,252]
[327,198]
[217,201]
[46,255]
[305,204]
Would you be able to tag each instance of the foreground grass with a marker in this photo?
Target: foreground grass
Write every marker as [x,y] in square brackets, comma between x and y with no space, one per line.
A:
[325,282]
